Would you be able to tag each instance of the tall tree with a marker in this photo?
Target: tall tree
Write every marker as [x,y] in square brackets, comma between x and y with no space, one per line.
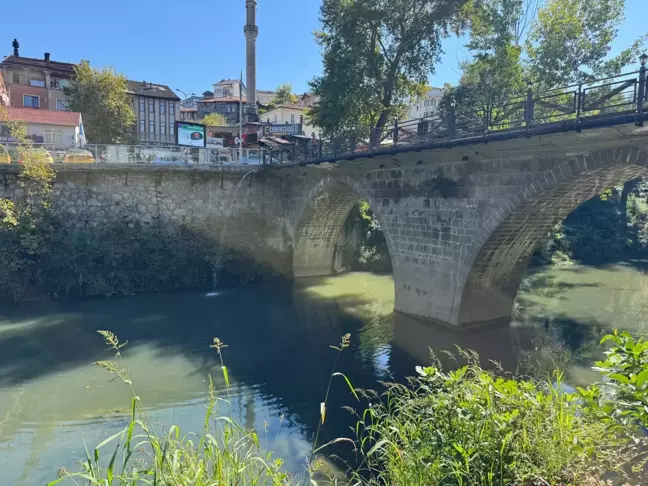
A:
[377,55]
[101,96]
[571,39]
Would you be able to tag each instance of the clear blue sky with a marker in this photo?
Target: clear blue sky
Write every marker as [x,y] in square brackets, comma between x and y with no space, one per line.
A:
[191,45]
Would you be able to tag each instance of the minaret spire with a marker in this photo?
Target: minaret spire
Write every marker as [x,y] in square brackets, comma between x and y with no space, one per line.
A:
[251,32]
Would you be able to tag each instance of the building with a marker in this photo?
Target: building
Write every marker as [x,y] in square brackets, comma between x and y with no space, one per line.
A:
[156,109]
[425,106]
[55,129]
[36,83]
[4,94]
[190,102]
[188,114]
[290,114]
[265,97]
[228,106]
[228,88]
[307,100]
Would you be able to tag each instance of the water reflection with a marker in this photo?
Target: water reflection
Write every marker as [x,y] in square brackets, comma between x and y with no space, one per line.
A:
[52,397]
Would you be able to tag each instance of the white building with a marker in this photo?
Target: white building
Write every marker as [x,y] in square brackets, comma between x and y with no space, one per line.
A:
[425,106]
[229,88]
[55,129]
[290,114]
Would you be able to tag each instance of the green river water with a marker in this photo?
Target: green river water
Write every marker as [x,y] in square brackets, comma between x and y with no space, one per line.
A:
[53,399]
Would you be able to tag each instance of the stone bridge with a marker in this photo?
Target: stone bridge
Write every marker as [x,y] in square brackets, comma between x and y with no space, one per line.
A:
[460,223]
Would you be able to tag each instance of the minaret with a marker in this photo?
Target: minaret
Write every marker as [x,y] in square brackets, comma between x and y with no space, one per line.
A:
[251,33]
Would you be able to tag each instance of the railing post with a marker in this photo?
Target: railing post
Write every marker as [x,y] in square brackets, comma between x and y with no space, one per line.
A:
[353,142]
[452,120]
[395,137]
[528,106]
[319,149]
[293,157]
[579,107]
[641,94]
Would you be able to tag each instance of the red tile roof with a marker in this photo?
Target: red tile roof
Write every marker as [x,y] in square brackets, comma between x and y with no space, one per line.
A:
[45,117]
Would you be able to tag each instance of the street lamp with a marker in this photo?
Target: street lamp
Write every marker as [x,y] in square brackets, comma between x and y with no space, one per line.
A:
[185,94]
[643,58]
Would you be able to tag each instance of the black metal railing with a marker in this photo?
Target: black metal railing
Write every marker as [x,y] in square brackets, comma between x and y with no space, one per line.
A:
[609,101]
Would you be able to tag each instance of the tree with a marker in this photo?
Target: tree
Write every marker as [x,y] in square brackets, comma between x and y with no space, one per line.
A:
[214,120]
[377,55]
[101,96]
[570,41]
[284,95]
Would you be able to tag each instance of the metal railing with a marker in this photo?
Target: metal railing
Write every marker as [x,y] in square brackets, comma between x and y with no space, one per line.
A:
[174,155]
[609,101]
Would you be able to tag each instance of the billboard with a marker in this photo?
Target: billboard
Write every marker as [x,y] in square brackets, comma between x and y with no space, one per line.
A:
[190,134]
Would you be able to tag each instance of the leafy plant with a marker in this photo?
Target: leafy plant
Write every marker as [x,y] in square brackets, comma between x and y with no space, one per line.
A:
[475,427]
[223,454]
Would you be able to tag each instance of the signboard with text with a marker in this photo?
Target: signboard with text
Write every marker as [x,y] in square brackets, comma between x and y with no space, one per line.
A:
[284,129]
[190,134]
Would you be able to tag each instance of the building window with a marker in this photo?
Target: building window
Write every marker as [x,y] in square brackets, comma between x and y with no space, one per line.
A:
[171,109]
[38,83]
[275,118]
[141,126]
[152,106]
[171,128]
[142,107]
[62,105]
[30,101]
[292,118]
[54,136]
[16,78]
[151,126]
[162,128]
[162,107]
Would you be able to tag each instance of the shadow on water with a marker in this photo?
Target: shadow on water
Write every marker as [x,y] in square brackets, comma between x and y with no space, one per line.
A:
[278,336]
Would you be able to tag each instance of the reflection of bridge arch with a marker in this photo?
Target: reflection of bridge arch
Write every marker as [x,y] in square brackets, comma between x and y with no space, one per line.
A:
[320,223]
[496,261]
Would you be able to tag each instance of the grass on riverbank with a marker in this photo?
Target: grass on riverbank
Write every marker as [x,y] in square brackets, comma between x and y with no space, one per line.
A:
[469,426]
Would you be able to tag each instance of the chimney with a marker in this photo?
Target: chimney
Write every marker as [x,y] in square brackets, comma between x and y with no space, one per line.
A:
[47,57]
[16,45]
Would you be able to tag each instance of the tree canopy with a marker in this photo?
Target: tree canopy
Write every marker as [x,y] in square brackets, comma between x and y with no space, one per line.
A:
[377,55]
[101,96]
[551,44]
[284,95]
[214,120]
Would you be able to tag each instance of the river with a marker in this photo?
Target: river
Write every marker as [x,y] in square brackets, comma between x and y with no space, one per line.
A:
[53,399]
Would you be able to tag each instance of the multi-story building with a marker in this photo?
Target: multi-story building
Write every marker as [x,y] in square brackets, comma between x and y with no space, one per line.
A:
[36,83]
[188,114]
[156,109]
[229,88]
[190,102]
[425,106]
[228,106]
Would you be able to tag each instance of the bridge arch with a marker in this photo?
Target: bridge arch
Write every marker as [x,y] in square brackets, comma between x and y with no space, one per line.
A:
[496,262]
[320,221]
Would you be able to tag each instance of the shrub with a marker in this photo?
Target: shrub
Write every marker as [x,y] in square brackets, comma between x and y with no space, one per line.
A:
[473,427]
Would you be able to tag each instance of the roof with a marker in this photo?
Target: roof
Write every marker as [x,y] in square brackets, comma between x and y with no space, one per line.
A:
[290,106]
[228,81]
[153,90]
[182,108]
[45,117]
[266,92]
[40,63]
[225,99]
